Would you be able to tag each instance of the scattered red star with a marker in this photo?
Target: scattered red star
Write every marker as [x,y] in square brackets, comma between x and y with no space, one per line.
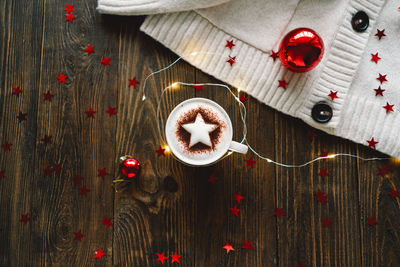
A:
[379,91]
[2,174]
[160,151]
[235,211]
[106,62]
[381,78]
[238,197]
[326,222]
[46,139]
[83,191]
[231,60]
[133,82]
[371,221]
[242,98]
[47,171]
[107,221]
[69,17]
[274,54]
[21,116]
[89,49]
[212,178]
[323,172]
[388,107]
[228,247]
[25,218]
[311,134]
[372,143]
[77,180]
[375,58]
[380,34]
[333,95]
[175,257]
[16,91]
[279,212]
[247,245]
[90,113]
[198,87]
[324,154]
[161,257]
[250,162]
[98,254]
[283,83]
[6,146]
[321,197]
[102,172]
[382,171]
[69,8]
[229,44]
[111,111]
[78,235]
[62,78]
[57,167]
[394,193]
[47,96]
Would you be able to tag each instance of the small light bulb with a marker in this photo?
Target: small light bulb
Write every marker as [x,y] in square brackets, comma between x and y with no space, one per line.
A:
[239,89]
[268,160]
[194,53]
[167,149]
[230,153]
[143,98]
[331,156]
[174,85]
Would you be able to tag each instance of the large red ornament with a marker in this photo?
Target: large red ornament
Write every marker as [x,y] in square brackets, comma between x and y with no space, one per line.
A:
[130,167]
[301,50]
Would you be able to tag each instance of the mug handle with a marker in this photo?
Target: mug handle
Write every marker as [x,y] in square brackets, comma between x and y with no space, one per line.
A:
[238,147]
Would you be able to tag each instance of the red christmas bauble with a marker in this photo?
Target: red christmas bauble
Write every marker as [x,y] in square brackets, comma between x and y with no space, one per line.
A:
[301,50]
[130,167]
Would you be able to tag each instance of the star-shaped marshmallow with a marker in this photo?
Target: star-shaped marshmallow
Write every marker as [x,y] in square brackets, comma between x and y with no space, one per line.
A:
[199,131]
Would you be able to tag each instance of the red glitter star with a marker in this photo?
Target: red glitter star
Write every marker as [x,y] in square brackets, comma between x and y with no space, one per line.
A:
[46,139]
[25,218]
[379,91]
[235,211]
[375,58]
[98,254]
[47,171]
[311,134]
[283,83]
[111,111]
[381,78]
[47,96]
[21,116]
[107,221]
[69,17]
[83,191]
[69,8]
[102,172]
[247,245]
[242,98]
[78,236]
[133,82]
[106,61]
[175,257]
[333,95]
[198,87]
[2,174]
[388,107]
[212,178]
[57,167]
[394,193]
[250,162]
[279,212]
[229,44]
[161,257]
[371,221]
[238,197]
[62,78]
[160,151]
[321,197]
[380,34]
[16,91]
[323,172]
[89,49]
[231,60]
[372,143]
[90,113]
[228,247]
[274,54]
[324,154]
[326,222]
[382,171]
[6,146]
[77,180]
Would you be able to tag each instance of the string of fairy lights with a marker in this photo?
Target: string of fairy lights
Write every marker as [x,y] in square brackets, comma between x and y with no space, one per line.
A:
[243,116]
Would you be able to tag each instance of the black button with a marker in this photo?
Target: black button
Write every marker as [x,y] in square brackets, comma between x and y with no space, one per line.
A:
[322,112]
[360,21]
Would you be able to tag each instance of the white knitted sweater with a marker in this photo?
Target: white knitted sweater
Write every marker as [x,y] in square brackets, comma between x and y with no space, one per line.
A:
[258,26]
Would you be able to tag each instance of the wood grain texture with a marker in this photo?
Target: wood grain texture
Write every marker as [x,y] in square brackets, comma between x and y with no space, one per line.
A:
[169,207]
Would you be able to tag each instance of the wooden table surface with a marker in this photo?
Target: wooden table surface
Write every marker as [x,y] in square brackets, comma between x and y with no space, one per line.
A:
[169,207]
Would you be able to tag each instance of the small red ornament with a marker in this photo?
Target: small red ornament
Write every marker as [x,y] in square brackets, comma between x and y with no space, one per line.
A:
[130,167]
[301,50]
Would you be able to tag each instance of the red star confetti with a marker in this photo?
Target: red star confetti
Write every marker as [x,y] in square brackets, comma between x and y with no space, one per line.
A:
[283,83]
[69,8]
[231,60]
[394,193]
[375,58]
[274,54]
[78,236]
[69,17]
[235,211]
[229,44]
[326,222]
[47,96]
[381,78]
[371,221]
[380,33]
[90,113]
[279,212]
[111,111]
[98,254]
[16,91]
[250,162]
[160,151]
[228,247]
[323,172]
[333,95]
[175,257]
[382,171]
[321,197]
[133,82]
[238,197]
[106,62]
[242,98]
[62,78]
[247,245]
[6,146]
[388,107]
[212,178]
[21,116]
[311,134]
[102,173]
[324,154]
[46,139]
[372,143]
[161,257]
[57,168]
[24,218]
[198,87]
[379,91]
[47,171]
[89,49]
[107,221]
[2,174]
[83,191]
[77,180]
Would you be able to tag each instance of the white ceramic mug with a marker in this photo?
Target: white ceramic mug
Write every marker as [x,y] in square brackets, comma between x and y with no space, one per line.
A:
[207,113]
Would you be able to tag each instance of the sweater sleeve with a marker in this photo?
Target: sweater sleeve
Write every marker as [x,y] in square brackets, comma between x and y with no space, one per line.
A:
[146,7]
